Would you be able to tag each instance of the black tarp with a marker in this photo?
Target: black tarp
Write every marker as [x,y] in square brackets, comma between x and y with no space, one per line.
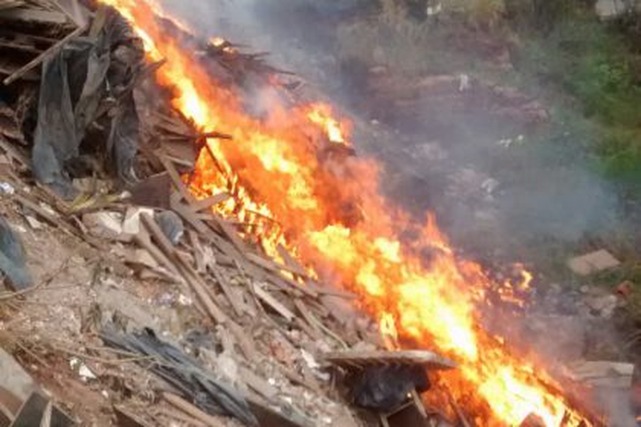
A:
[77,83]
[73,83]
[183,372]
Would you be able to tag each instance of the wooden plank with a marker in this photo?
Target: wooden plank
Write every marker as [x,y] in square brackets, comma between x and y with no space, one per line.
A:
[99,21]
[188,408]
[210,202]
[20,47]
[33,15]
[299,379]
[175,177]
[143,240]
[231,234]
[186,270]
[308,321]
[224,284]
[273,303]
[259,385]
[273,265]
[53,50]
[245,344]
[291,262]
[198,251]
[10,4]
[161,240]
[9,403]
[154,191]
[206,232]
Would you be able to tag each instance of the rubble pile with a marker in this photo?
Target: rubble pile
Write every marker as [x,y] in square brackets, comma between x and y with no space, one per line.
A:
[167,315]
[94,151]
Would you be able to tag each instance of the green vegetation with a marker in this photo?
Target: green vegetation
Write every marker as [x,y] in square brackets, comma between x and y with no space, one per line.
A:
[587,70]
[588,65]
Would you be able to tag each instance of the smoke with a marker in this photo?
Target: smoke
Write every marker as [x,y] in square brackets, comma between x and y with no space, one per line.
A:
[498,190]
[494,190]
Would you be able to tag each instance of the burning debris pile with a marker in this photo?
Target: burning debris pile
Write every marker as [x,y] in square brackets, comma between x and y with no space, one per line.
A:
[203,166]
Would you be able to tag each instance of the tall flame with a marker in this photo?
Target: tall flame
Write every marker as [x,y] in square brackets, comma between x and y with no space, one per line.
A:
[292,179]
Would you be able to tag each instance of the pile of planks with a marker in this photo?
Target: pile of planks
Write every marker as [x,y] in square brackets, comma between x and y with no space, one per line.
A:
[32,29]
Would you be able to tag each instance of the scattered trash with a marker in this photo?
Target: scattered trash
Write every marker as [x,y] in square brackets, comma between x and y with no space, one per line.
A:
[83,370]
[6,188]
[106,225]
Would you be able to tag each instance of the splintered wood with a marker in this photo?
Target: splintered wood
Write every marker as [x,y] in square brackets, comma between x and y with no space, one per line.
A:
[31,32]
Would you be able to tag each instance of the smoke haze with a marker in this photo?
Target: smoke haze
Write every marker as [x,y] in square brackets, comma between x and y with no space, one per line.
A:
[493,190]
[498,191]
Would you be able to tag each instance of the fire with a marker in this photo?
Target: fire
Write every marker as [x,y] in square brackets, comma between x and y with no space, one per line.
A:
[389,332]
[323,204]
[321,114]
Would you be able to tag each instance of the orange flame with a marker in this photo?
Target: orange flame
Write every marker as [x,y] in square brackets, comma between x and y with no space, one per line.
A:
[321,114]
[389,332]
[328,211]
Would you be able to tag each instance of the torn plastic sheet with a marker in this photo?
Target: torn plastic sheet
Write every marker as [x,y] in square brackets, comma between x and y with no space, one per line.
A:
[73,83]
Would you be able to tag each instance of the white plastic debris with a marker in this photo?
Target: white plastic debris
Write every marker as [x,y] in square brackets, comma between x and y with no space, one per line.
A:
[83,371]
[6,188]
[309,360]
[132,222]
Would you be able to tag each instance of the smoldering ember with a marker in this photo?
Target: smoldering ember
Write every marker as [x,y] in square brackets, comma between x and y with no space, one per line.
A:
[365,226]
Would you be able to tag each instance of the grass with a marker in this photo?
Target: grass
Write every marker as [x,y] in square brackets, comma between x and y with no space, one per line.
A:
[579,63]
[588,66]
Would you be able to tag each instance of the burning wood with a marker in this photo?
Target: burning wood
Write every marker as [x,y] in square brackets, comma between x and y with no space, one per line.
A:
[285,184]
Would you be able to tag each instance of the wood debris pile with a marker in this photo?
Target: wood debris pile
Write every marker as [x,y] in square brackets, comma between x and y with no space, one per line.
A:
[114,178]
[32,29]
